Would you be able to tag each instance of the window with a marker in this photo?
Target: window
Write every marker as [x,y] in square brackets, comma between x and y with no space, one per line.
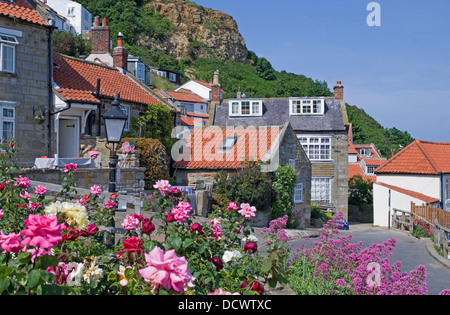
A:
[298,193]
[292,163]
[172,77]
[371,169]
[8,115]
[126,110]
[189,107]
[246,108]
[228,144]
[70,11]
[306,106]
[8,52]
[317,148]
[320,189]
[365,152]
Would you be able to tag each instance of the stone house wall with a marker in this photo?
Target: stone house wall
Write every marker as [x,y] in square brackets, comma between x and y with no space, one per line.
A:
[28,87]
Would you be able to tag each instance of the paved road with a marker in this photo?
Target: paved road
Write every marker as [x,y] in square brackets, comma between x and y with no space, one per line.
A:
[409,250]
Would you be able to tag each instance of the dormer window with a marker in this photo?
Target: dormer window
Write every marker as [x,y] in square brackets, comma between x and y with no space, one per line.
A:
[366,152]
[246,107]
[306,106]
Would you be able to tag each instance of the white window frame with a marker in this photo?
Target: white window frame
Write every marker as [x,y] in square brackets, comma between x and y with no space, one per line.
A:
[367,152]
[8,41]
[255,107]
[298,193]
[11,106]
[321,189]
[228,144]
[292,163]
[371,169]
[172,77]
[317,148]
[306,106]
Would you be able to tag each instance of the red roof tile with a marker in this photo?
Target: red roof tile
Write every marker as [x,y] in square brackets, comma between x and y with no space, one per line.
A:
[355,169]
[411,193]
[420,157]
[205,147]
[21,10]
[185,97]
[77,81]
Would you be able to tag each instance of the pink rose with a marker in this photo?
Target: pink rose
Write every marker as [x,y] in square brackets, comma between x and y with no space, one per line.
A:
[91,230]
[232,206]
[1,213]
[11,242]
[163,186]
[23,182]
[96,190]
[40,190]
[42,231]
[166,270]
[109,204]
[131,223]
[71,167]
[181,212]
[247,211]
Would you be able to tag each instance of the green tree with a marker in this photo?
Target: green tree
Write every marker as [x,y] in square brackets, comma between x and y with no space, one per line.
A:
[155,123]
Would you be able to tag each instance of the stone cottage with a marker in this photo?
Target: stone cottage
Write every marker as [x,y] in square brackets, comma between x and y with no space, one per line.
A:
[25,77]
[321,126]
[208,151]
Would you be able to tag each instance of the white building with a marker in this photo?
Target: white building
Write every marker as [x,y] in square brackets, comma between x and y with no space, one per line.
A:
[419,173]
[77,16]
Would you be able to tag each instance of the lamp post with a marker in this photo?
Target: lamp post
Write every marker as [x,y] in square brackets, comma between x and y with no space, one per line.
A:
[115,121]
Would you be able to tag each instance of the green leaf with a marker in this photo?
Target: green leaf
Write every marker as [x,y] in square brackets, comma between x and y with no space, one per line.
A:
[5,271]
[272,282]
[34,278]
[48,261]
[4,284]
[266,267]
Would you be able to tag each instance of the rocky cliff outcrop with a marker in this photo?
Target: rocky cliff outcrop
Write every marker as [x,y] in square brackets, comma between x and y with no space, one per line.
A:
[198,32]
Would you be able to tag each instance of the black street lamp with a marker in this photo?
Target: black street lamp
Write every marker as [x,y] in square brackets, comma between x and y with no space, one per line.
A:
[115,120]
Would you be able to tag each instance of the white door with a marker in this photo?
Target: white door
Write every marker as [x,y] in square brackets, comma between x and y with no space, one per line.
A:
[68,145]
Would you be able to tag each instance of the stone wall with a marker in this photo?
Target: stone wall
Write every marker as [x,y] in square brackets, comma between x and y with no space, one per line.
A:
[28,87]
[131,180]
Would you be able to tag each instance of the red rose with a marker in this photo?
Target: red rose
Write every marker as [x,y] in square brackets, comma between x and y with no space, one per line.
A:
[250,247]
[254,286]
[71,234]
[170,217]
[196,227]
[2,186]
[217,262]
[91,230]
[147,226]
[133,244]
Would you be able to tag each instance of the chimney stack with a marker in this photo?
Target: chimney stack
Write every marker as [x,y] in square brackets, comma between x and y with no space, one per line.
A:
[339,91]
[215,92]
[101,36]
[120,54]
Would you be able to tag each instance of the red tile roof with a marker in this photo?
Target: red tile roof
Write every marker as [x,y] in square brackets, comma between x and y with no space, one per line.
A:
[192,120]
[205,147]
[420,157]
[355,169]
[21,10]
[77,81]
[411,193]
[185,97]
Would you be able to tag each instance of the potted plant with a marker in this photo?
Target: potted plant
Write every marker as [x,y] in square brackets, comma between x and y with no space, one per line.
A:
[39,118]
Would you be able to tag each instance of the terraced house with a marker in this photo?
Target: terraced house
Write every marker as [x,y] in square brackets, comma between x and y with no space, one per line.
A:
[25,76]
[321,126]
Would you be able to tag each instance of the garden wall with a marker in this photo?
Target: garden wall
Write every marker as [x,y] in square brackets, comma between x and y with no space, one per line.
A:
[131,180]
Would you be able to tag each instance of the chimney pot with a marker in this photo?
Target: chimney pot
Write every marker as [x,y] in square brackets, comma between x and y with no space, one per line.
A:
[120,54]
[97,21]
[105,21]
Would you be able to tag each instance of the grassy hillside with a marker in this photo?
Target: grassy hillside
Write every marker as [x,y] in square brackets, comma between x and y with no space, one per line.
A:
[256,78]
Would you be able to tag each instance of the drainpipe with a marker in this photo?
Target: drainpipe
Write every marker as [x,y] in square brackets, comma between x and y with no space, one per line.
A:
[50,86]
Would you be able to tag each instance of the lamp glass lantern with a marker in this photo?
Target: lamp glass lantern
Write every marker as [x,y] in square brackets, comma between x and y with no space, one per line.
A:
[115,120]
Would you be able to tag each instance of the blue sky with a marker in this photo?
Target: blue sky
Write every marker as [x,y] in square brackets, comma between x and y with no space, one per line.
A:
[399,72]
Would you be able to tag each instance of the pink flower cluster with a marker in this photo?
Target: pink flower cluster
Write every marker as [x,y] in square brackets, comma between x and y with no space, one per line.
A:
[163,186]
[363,271]
[216,227]
[23,182]
[276,231]
[71,167]
[166,270]
[96,190]
[135,222]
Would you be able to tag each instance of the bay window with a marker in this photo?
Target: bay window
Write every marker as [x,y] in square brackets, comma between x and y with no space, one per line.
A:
[321,189]
[316,147]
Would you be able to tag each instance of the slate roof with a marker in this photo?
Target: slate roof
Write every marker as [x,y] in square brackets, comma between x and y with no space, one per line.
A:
[419,157]
[77,81]
[21,10]
[276,112]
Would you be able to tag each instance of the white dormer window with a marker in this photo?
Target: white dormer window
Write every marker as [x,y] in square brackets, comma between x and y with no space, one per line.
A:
[245,107]
[306,106]
[366,152]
